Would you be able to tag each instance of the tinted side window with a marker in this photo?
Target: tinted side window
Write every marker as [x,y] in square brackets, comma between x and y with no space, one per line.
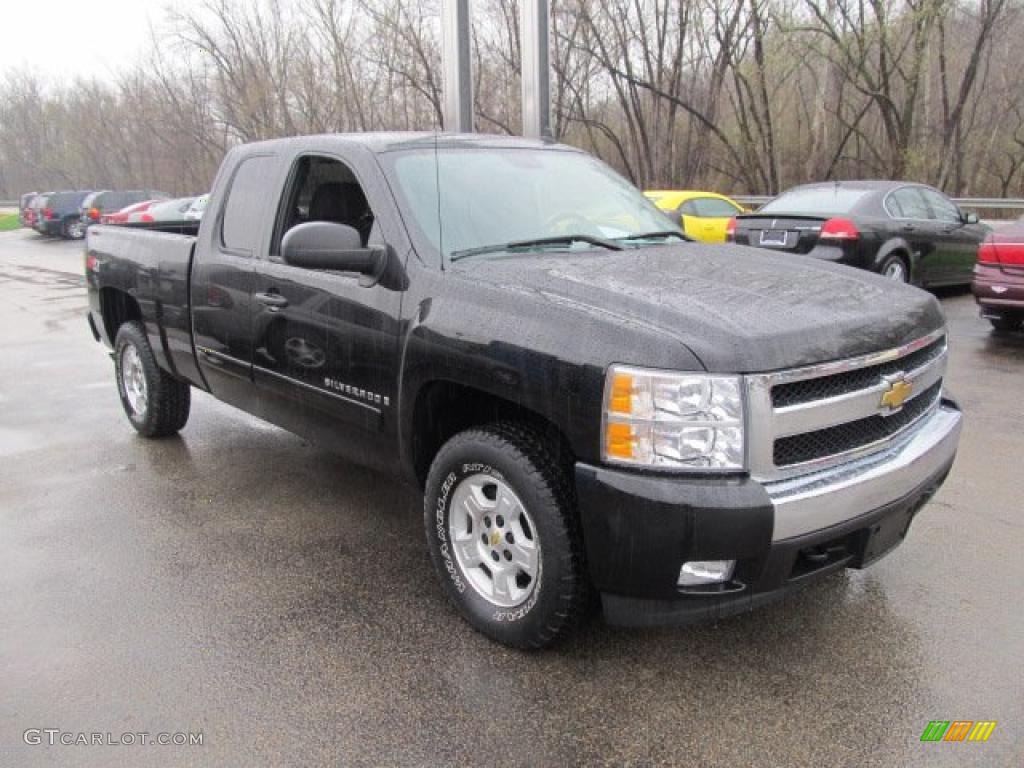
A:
[244,210]
[908,203]
[713,208]
[687,209]
[942,207]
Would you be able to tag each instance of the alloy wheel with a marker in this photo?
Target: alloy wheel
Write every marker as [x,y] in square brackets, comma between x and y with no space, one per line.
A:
[494,540]
[133,379]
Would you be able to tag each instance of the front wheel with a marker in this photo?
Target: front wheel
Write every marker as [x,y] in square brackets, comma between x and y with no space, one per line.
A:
[501,526]
[156,403]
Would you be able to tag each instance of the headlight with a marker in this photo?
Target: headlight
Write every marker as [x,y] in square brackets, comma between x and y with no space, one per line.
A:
[672,420]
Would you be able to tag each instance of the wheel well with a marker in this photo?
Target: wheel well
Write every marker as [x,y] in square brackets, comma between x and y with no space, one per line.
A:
[118,308]
[443,409]
[902,254]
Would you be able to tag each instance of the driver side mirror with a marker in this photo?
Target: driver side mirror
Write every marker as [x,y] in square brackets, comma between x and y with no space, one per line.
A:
[328,245]
[969,218]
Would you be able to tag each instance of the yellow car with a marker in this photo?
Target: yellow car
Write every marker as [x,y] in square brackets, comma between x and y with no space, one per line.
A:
[704,215]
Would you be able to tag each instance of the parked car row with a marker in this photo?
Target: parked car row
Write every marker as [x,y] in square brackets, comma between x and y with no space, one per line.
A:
[907,232]
[69,213]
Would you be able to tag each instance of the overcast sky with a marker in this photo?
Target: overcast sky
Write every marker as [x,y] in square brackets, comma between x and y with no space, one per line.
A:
[62,37]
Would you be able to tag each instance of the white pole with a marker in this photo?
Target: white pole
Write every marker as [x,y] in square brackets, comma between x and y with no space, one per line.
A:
[534,53]
[458,75]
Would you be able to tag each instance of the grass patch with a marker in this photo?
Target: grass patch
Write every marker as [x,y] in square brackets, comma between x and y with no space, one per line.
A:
[8,221]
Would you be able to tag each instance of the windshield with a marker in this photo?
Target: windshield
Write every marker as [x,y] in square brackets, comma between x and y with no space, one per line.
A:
[816,201]
[474,198]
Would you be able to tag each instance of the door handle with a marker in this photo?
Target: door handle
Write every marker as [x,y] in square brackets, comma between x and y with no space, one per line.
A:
[273,300]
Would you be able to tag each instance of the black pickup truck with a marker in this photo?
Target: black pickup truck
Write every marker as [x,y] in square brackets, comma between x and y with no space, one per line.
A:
[594,406]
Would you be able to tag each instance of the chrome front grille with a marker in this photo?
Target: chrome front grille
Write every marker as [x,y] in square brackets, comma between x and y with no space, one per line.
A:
[806,390]
[812,418]
[808,446]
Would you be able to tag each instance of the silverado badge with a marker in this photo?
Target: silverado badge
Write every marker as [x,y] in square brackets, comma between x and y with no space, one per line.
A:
[897,393]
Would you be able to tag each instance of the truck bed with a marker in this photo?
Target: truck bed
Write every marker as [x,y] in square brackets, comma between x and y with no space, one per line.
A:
[151,263]
[182,227]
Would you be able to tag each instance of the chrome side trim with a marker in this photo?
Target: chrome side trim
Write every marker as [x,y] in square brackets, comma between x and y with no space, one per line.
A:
[823,499]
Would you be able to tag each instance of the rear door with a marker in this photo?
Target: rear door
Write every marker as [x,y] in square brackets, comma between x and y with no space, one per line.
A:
[222,282]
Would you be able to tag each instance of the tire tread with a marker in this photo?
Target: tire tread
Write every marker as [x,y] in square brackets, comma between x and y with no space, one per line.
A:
[547,468]
[170,399]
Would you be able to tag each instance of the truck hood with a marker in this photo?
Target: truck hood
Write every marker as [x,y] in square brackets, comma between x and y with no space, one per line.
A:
[737,309]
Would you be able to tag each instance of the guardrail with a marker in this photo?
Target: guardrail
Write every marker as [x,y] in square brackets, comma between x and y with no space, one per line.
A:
[9,203]
[976,203]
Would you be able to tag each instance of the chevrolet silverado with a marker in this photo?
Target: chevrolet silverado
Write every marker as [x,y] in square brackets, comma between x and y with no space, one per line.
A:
[597,410]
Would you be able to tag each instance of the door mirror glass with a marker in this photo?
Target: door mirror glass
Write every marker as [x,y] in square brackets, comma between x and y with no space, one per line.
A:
[329,245]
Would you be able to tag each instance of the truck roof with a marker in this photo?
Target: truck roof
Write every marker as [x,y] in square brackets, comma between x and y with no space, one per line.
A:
[380,142]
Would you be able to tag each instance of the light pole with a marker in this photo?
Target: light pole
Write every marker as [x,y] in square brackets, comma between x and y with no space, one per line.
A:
[455,66]
[534,46]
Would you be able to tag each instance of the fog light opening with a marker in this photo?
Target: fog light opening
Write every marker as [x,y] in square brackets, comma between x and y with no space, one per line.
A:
[705,572]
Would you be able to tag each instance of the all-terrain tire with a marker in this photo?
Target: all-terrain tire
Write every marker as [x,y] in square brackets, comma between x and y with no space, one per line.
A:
[163,408]
[517,457]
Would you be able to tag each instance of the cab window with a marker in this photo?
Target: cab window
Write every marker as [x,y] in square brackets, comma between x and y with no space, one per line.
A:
[323,189]
[243,210]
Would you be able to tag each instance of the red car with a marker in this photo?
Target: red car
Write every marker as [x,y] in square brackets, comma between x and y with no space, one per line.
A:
[999,277]
[121,216]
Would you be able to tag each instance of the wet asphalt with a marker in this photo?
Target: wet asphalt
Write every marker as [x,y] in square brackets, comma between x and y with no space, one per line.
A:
[239,582]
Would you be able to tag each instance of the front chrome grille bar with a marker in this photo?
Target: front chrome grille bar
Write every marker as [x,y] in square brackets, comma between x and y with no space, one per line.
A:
[767,423]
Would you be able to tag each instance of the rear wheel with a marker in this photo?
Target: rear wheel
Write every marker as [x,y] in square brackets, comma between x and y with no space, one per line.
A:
[894,267]
[1006,324]
[502,531]
[156,403]
[73,229]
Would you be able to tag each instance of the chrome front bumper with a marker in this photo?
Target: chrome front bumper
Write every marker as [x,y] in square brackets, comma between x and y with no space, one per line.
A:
[830,497]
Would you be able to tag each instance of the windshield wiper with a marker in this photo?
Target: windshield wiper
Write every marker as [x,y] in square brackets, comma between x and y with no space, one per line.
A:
[663,234]
[519,245]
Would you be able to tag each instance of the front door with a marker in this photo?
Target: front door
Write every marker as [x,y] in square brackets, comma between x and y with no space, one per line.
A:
[958,240]
[325,347]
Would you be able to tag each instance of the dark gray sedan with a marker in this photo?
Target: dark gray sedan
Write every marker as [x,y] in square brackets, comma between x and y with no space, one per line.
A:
[907,232]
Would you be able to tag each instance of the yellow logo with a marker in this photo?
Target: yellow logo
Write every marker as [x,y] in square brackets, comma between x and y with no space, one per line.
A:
[897,394]
[495,538]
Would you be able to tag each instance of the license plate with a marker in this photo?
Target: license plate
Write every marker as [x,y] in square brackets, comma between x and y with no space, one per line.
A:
[773,236]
